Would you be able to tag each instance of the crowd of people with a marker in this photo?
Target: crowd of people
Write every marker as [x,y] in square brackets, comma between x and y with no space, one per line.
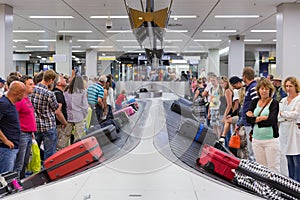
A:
[266,109]
[50,108]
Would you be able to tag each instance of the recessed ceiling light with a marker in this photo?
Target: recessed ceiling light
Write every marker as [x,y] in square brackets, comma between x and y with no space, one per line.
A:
[51,17]
[118,31]
[183,16]
[207,40]
[90,40]
[33,47]
[103,47]
[237,16]
[75,31]
[177,31]
[28,31]
[252,40]
[219,31]
[112,17]
[263,31]
[20,40]
[47,40]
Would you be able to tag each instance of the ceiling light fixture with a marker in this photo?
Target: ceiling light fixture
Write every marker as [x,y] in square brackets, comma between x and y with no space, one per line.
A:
[263,31]
[28,31]
[78,51]
[51,17]
[177,31]
[237,16]
[112,17]
[103,47]
[274,40]
[126,40]
[33,47]
[90,40]
[76,47]
[119,31]
[47,40]
[252,40]
[75,31]
[219,31]
[207,40]
[183,16]
[20,40]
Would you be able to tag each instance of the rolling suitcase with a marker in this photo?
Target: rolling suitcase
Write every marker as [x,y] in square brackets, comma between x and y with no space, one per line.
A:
[122,116]
[103,135]
[128,110]
[197,131]
[219,162]
[35,180]
[110,122]
[182,109]
[274,180]
[72,158]
[185,101]
[9,183]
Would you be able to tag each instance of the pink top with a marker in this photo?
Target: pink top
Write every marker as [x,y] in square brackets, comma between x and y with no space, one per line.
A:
[120,99]
[26,115]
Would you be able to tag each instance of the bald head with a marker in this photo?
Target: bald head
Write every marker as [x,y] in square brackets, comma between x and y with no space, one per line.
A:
[16,91]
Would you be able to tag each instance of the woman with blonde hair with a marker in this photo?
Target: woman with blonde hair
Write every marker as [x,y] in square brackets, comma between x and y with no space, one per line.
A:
[289,112]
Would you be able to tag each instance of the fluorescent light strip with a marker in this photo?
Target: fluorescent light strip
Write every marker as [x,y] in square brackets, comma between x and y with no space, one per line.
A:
[138,51]
[103,47]
[126,40]
[172,40]
[263,31]
[219,31]
[75,31]
[76,47]
[112,17]
[119,31]
[252,40]
[274,40]
[183,16]
[193,51]
[47,40]
[20,40]
[28,31]
[90,40]
[51,17]
[14,46]
[177,31]
[78,51]
[237,16]
[132,47]
[207,40]
[33,47]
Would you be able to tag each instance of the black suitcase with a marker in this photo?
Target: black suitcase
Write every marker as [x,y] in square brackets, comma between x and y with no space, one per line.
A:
[270,178]
[103,135]
[197,131]
[110,122]
[185,101]
[35,180]
[182,109]
[7,180]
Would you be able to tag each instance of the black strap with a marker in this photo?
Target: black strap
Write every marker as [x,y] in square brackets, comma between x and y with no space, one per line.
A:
[264,107]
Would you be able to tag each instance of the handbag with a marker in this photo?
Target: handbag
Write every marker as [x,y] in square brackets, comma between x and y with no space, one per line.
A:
[34,164]
[235,141]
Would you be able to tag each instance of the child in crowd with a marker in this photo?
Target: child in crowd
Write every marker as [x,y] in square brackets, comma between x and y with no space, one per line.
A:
[120,99]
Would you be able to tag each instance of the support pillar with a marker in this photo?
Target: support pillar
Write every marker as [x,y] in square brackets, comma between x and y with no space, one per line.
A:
[64,54]
[6,40]
[236,55]
[288,40]
[214,61]
[91,62]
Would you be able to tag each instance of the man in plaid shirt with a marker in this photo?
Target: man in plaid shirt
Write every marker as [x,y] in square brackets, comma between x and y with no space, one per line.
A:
[45,107]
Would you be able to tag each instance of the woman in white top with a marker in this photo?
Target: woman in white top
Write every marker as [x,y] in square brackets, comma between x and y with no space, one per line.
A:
[110,100]
[289,134]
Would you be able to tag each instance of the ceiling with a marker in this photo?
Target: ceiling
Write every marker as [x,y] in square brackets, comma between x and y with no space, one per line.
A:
[204,10]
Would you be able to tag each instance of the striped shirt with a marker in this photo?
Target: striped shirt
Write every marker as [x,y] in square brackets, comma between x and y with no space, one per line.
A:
[250,95]
[93,92]
[45,104]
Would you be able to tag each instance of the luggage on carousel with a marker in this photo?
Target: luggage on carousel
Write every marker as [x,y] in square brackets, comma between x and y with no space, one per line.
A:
[128,110]
[182,109]
[217,161]
[197,131]
[185,101]
[35,180]
[9,183]
[73,157]
[263,180]
[134,105]
[103,135]
[120,114]
[110,122]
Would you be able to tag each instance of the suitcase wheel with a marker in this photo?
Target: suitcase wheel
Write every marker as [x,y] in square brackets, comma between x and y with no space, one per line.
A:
[209,166]
[95,158]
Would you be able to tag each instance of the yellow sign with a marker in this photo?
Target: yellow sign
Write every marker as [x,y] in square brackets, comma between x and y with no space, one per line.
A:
[107,58]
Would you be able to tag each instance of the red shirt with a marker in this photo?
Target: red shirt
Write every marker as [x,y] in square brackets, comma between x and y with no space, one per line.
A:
[26,115]
[120,99]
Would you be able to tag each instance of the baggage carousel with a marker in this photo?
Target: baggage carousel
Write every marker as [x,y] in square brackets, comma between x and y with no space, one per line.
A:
[149,161]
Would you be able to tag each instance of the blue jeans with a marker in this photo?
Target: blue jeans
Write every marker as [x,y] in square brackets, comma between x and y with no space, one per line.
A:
[23,154]
[7,159]
[294,166]
[50,141]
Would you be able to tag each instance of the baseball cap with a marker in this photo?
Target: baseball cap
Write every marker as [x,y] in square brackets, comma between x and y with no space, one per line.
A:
[2,80]
[233,80]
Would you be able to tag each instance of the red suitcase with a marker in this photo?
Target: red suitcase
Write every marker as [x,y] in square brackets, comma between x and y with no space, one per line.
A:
[219,162]
[73,158]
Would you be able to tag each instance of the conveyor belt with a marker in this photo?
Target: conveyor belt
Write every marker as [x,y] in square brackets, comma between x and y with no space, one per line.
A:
[181,150]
